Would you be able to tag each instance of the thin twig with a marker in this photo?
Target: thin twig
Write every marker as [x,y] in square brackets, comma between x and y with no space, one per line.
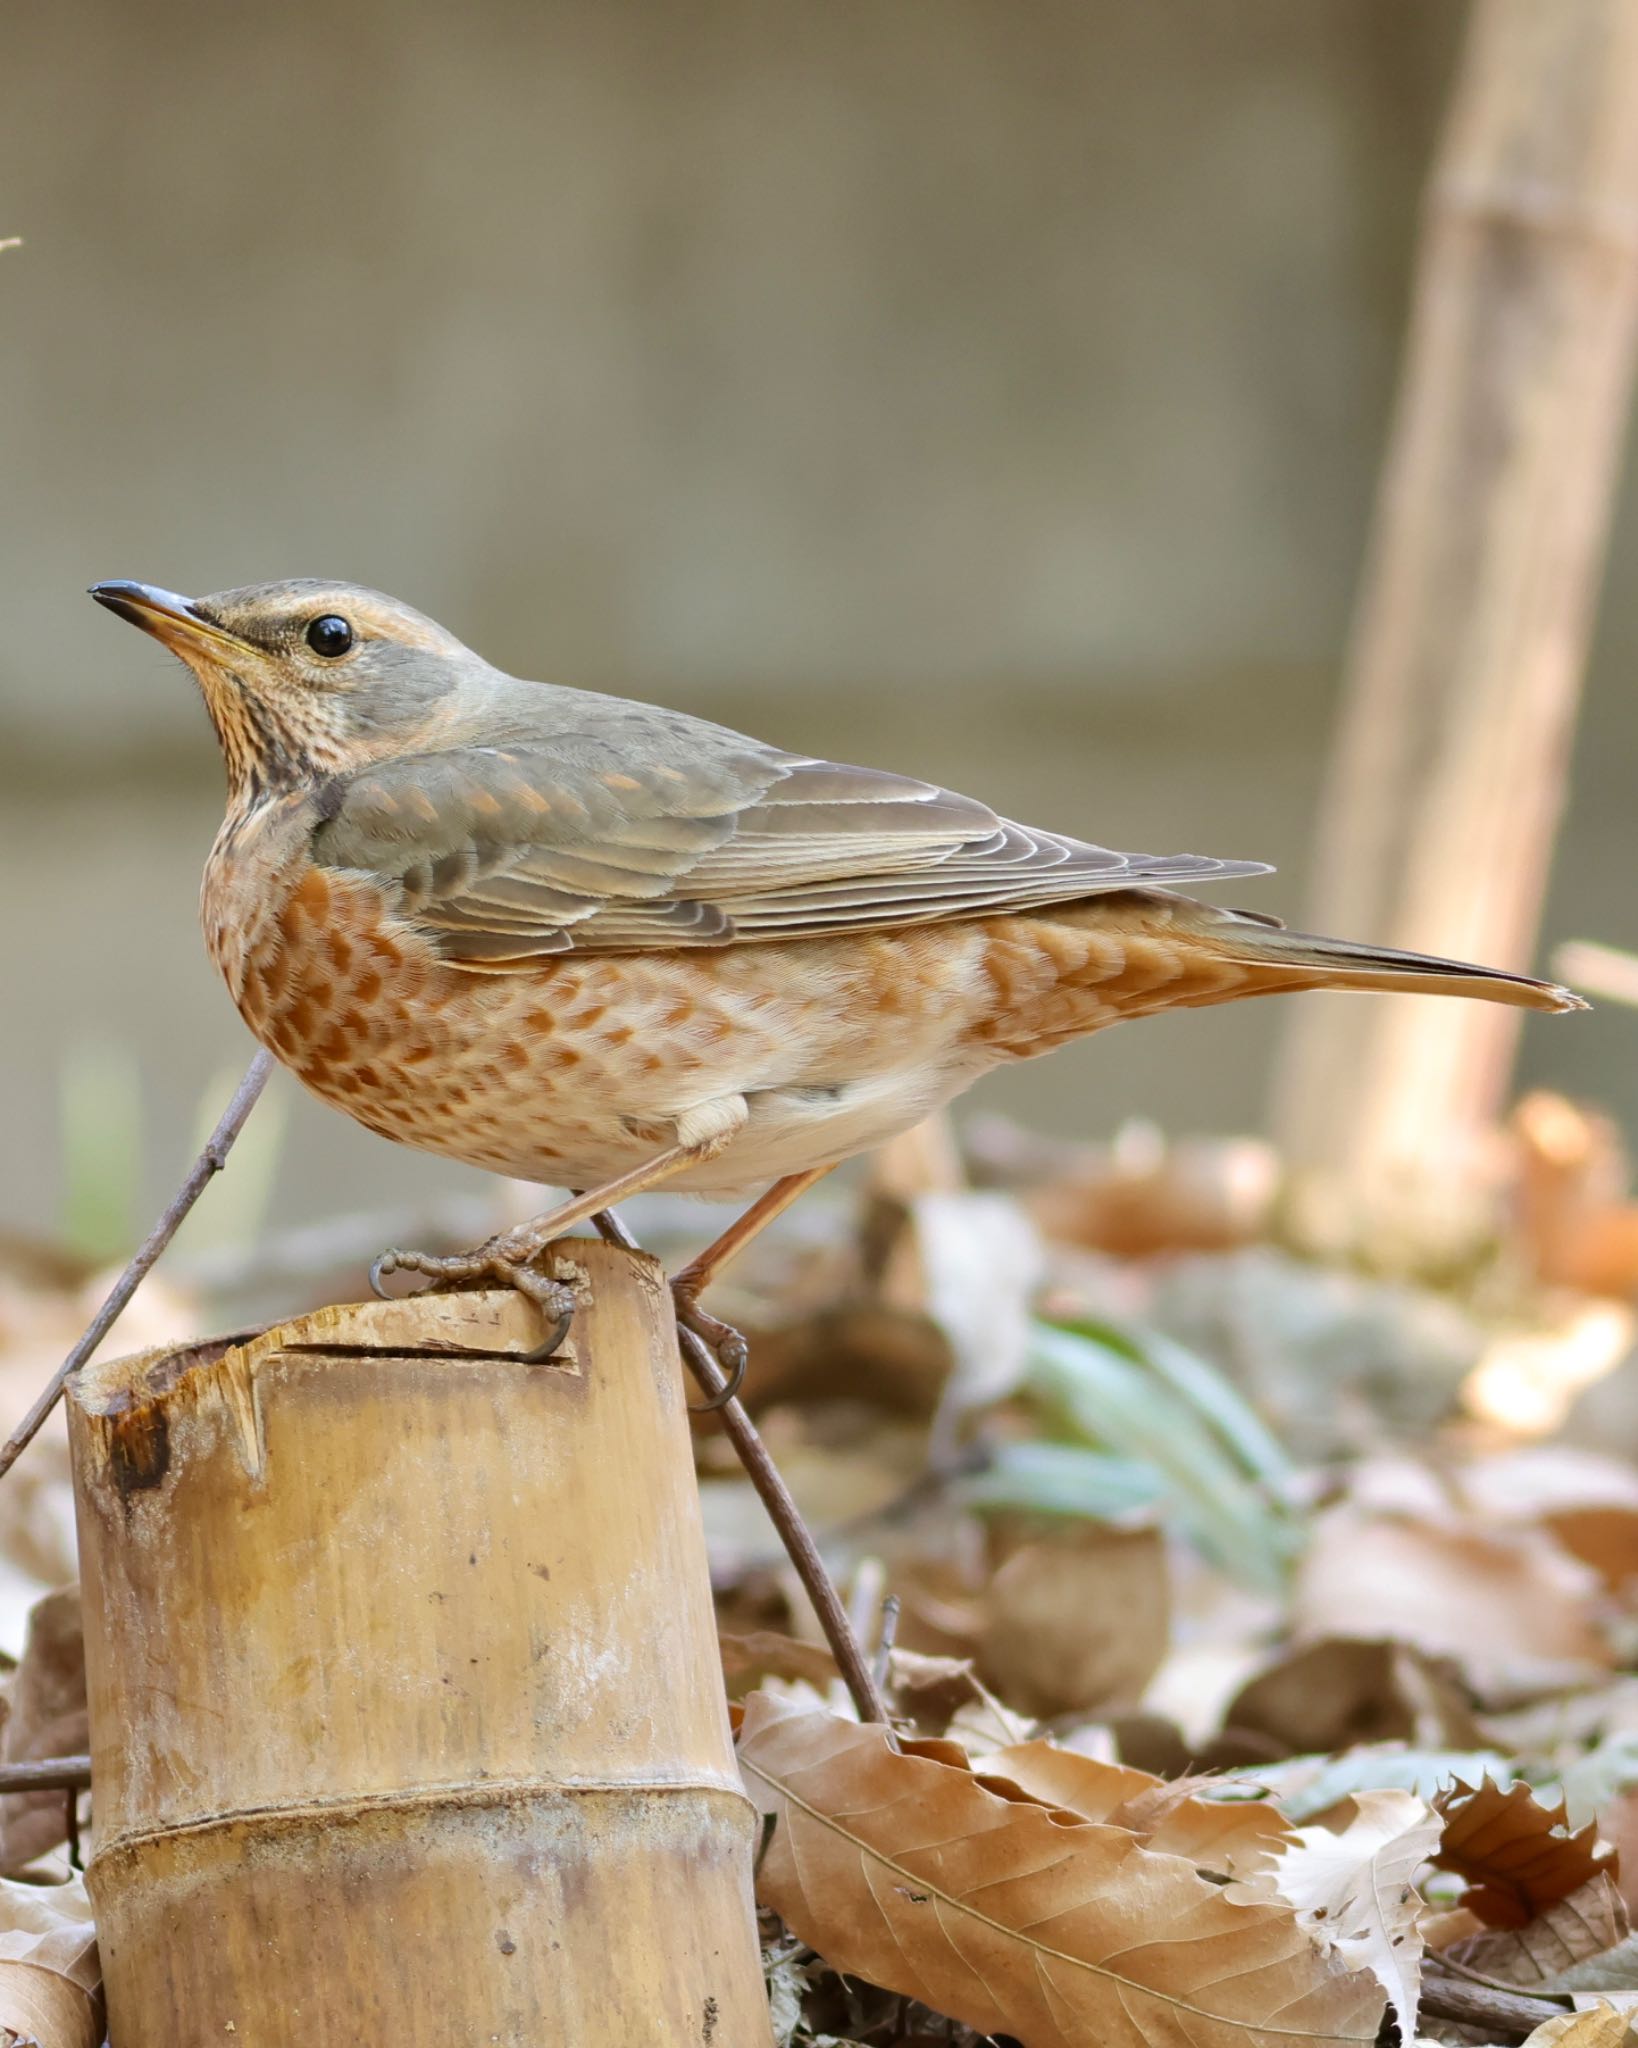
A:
[782,1509]
[47,1774]
[1500,2014]
[887,1638]
[209,1163]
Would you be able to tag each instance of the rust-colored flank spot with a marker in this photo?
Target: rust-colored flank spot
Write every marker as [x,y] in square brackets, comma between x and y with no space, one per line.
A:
[538,1021]
[565,1056]
[367,987]
[515,1056]
[313,892]
[621,782]
[340,949]
[620,1034]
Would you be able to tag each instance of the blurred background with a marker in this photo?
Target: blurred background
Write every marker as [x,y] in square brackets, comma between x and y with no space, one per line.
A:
[995,391]
[1148,415]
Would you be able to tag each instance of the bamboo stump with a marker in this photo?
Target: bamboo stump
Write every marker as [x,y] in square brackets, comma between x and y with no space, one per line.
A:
[407,1722]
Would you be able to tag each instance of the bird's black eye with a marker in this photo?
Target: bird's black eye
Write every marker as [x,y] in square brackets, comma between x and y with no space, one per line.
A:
[330,636]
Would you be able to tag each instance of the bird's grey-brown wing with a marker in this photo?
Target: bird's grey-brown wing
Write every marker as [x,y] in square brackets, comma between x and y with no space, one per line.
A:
[505,853]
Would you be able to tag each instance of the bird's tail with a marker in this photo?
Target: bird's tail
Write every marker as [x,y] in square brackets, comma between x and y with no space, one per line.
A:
[1341,963]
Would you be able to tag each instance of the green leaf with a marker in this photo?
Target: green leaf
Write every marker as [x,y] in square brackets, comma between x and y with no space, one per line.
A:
[1109,1394]
[1205,1389]
[1062,1479]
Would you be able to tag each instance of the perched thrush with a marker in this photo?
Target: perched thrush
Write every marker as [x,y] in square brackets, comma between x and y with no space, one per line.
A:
[598,944]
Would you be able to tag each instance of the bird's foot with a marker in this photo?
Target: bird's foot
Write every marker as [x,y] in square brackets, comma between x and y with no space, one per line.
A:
[733,1354]
[493,1262]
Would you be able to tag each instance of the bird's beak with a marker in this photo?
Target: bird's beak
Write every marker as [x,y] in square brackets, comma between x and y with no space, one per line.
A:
[176,622]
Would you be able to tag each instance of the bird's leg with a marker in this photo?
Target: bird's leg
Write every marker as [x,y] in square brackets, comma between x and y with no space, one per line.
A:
[509,1257]
[688,1285]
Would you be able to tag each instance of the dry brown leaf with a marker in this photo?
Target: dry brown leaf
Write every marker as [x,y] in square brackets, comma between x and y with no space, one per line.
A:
[47,1718]
[1600,2026]
[1146,1194]
[910,1873]
[1572,1930]
[1517,1856]
[1085,1786]
[1618,1825]
[1443,1930]
[867,1352]
[765,1653]
[1229,1836]
[1612,1973]
[1235,1837]
[1354,1890]
[944,1696]
[1076,1619]
[1333,1694]
[931,1695]
[1502,1601]
[1586,1499]
[50,1976]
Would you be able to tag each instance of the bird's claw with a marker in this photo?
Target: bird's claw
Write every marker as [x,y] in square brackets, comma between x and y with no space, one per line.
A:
[732,1352]
[380,1267]
[553,1301]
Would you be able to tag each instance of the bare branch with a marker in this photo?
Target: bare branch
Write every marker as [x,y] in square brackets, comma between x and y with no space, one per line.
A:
[1502,2015]
[209,1163]
[47,1774]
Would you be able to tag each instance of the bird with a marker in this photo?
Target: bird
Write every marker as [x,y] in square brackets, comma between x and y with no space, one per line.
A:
[604,945]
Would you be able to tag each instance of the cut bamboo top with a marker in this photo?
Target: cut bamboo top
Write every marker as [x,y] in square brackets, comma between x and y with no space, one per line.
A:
[374,1550]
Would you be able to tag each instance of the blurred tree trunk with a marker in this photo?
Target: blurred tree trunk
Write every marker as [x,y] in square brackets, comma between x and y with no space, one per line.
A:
[1437,827]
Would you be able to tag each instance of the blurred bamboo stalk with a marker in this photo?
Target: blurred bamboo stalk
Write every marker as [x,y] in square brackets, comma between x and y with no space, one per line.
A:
[1438,823]
[406,1710]
[1603,972]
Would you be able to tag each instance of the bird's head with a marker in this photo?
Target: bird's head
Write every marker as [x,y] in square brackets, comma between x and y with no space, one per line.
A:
[306,678]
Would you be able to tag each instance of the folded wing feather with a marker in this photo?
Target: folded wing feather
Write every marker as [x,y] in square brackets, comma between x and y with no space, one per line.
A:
[506,854]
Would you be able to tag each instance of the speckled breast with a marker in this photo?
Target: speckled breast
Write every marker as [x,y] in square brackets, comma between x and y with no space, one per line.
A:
[573,1069]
